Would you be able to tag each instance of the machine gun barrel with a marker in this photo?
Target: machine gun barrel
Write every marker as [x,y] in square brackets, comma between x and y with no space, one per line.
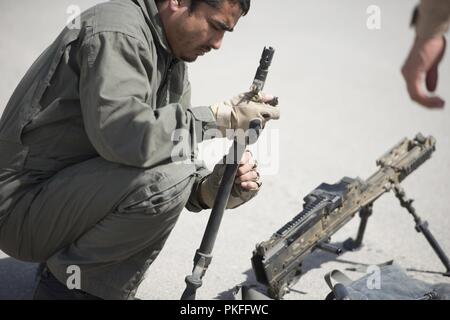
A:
[263,70]
[203,255]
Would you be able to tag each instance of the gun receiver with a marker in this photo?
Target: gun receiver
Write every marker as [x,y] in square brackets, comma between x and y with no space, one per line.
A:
[277,261]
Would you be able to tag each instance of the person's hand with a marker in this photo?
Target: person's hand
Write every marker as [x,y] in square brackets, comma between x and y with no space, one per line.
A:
[246,184]
[422,66]
[247,176]
[240,111]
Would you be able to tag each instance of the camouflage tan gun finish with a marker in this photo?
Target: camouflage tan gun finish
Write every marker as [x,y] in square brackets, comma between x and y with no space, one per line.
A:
[277,261]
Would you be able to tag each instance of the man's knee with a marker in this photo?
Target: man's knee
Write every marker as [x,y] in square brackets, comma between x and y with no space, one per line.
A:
[158,191]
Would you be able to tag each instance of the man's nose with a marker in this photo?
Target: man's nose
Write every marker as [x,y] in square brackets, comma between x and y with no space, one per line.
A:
[216,43]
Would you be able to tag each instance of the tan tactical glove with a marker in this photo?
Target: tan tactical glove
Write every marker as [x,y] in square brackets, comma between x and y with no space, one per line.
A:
[246,186]
[239,112]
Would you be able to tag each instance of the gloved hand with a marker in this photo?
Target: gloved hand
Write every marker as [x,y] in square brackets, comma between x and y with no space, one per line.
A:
[239,112]
[246,186]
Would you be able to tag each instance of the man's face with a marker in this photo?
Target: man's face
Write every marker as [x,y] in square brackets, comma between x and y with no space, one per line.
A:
[192,34]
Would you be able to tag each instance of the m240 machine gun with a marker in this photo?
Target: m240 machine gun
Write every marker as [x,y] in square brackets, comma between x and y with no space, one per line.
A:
[277,261]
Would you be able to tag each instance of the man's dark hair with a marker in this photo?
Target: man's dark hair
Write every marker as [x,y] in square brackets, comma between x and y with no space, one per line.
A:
[244,4]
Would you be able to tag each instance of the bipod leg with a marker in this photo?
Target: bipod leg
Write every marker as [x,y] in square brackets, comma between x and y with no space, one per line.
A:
[422,226]
[364,214]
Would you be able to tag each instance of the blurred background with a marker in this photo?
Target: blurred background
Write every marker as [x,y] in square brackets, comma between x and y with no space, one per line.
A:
[344,103]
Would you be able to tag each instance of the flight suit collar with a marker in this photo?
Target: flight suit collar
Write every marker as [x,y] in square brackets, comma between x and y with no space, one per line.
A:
[151,14]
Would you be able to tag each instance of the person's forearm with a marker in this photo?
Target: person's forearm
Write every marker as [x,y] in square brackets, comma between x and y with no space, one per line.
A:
[433,19]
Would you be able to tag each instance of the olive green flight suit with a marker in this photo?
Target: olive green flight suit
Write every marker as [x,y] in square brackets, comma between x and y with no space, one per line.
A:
[87,176]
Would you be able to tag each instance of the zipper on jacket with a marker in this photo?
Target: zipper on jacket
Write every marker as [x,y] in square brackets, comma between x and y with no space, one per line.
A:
[166,82]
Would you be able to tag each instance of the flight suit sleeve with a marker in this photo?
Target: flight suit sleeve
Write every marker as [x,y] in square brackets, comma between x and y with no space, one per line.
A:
[433,18]
[194,204]
[206,124]
[203,115]
[114,85]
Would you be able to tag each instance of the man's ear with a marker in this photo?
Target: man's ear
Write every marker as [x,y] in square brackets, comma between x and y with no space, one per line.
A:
[175,5]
